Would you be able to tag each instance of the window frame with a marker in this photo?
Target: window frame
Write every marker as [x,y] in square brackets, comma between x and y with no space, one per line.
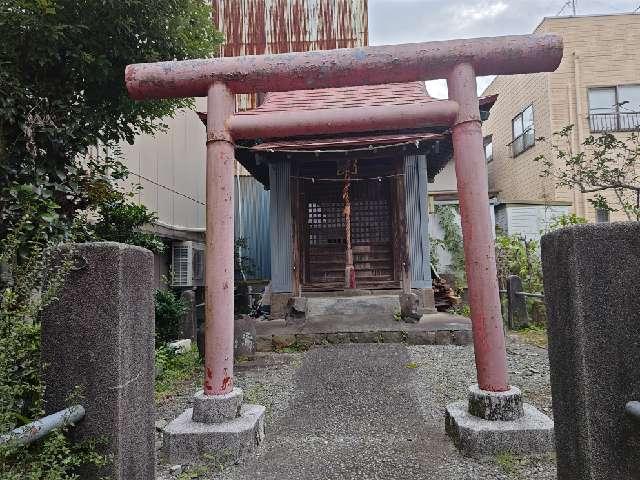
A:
[514,139]
[484,144]
[616,107]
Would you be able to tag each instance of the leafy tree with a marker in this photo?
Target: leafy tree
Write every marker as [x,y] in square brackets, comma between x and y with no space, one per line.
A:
[63,110]
[62,93]
[121,221]
[607,163]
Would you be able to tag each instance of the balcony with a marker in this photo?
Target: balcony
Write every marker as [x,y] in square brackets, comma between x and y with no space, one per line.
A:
[614,122]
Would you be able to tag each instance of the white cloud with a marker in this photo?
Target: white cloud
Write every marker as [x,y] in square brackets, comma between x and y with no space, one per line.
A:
[483,11]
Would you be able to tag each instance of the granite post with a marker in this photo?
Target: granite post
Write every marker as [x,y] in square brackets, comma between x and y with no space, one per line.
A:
[188,328]
[592,295]
[98,342]
[516,304]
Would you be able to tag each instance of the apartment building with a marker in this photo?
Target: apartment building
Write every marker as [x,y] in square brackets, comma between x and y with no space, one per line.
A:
[596,89]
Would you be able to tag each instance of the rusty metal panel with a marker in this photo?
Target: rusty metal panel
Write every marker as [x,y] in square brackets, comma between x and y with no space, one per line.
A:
[256,27]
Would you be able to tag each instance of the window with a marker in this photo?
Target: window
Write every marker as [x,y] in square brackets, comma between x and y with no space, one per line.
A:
[614,109]
[523,131]
[488,148]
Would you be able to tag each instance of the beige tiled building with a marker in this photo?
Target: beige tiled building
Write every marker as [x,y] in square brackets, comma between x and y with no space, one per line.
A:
[600,70]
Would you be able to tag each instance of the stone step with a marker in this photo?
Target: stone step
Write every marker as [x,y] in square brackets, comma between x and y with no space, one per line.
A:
[304,341]
[353,309]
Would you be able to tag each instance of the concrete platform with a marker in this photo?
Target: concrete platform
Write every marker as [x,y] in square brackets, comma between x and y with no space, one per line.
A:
[189,442]
[530,434]
[330,327]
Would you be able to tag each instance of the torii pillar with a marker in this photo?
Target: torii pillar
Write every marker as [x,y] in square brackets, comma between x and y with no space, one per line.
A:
[219,421]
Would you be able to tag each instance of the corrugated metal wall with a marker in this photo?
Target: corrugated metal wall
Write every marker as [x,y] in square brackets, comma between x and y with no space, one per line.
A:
[415,178]
[252,223]
[281,226]
[254,27]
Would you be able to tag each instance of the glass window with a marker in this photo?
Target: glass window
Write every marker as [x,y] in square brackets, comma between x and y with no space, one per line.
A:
[614,108]
[488,148]
[602,100]
[517,126]
[523,131]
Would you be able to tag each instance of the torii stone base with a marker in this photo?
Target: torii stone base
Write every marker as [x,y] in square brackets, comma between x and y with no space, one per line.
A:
[498,422]
[226,431]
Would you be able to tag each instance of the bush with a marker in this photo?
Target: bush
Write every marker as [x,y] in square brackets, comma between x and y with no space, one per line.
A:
[169,311]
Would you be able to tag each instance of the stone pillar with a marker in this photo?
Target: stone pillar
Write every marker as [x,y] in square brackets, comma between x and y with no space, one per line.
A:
[516,304]
[189,327]
[494,419]
[219,425]
[592,285]
[98,340]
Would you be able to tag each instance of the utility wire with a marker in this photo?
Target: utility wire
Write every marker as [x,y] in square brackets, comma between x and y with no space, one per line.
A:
[167,188]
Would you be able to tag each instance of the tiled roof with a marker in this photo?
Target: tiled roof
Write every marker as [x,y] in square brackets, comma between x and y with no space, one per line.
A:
[346,97]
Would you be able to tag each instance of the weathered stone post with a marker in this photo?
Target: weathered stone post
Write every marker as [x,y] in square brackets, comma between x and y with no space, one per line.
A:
[516,304]
[98,341]
[592,294]
[189,327]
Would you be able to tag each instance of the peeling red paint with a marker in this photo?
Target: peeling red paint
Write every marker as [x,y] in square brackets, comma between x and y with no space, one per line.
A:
[345,67]
[227,381]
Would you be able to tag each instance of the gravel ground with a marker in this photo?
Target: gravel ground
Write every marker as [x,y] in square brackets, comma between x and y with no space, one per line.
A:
[366,434]
[443,374]
[267,381]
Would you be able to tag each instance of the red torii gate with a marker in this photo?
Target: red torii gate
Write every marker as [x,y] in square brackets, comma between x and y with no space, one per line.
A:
[459,61]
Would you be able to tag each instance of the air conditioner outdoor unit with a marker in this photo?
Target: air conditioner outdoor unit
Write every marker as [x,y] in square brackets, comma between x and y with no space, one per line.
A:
[188,264]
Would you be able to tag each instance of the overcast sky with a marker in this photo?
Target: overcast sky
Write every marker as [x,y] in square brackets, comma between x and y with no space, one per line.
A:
[405,21]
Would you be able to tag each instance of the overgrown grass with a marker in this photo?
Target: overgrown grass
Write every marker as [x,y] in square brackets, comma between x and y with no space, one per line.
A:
[519,466]
[175,369]
[534,335]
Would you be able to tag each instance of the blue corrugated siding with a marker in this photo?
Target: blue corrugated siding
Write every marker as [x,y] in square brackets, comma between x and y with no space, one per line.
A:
[415,177]
[252,223]
[281,226]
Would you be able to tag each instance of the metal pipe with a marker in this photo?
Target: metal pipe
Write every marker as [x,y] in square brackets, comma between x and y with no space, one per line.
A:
[33,431]
[342,120]
[218,356]
[345,67]
[532,295]
[479,250]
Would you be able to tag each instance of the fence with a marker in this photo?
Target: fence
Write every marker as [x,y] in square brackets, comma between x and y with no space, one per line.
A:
[517,314]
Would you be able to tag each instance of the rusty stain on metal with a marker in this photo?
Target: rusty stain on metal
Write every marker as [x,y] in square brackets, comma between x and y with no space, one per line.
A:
[257,27]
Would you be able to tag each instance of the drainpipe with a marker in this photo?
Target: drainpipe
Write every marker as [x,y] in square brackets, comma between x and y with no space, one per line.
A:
[479,249]
[218,339]
[577,137]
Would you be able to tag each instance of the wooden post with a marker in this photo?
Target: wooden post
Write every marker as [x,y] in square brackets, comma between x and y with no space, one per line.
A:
[296,216]
[349,269]
[403,242]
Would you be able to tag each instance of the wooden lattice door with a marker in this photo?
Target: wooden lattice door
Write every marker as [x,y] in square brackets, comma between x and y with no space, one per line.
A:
[324,227]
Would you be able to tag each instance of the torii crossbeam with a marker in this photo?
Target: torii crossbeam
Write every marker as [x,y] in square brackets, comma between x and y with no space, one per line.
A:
[458,61]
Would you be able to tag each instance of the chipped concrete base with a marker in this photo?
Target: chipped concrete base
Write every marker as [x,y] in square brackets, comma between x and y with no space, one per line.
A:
[217,408]
[532,433]
[505,406]
[189,442]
